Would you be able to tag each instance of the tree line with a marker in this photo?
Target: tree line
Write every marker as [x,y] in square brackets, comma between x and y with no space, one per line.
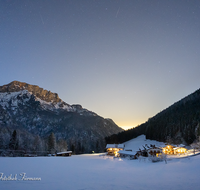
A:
[21,142]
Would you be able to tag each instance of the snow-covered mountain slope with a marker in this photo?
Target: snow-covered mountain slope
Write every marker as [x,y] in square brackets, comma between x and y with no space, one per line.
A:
[16,93]
[14,99]
[41,112]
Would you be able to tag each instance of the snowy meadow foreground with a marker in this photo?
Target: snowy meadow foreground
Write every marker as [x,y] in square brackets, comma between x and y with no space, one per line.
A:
[94,172]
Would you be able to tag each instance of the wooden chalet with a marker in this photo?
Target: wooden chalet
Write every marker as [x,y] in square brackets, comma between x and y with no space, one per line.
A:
[180,150]
[66,153]
[113,149]
[169,149]
[141,153]
[149,150]
[144,151]
[127,154]
[154,151]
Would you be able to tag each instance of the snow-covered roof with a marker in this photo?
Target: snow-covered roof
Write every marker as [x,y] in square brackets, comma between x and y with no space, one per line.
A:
[162,145]
[127,152]
[141,148]
[138,142]
[64,152]
[152,149]
[120,145]
[115,146]
[111,146]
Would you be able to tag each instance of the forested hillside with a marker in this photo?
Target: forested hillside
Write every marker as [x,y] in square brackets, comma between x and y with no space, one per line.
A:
[179,123]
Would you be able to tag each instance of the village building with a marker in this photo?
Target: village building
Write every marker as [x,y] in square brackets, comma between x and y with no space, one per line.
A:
[128,154]
[180,150]
[66,153]
[118,150]
[154,151]
[113,149]
[169,149]
[142,152]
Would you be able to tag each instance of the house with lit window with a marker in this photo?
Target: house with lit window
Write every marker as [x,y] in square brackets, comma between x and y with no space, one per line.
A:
[169,149]
[180,150]
[154,151]
[113,149]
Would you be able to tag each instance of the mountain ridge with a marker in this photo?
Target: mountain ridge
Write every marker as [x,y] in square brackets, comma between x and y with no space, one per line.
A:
[16,86]
[40,112]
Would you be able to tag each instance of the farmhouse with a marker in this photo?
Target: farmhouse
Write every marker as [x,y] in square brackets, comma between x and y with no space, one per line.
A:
[144,151]
[169,149]
[154,151]
[180,150]
[127,154]
[113,149]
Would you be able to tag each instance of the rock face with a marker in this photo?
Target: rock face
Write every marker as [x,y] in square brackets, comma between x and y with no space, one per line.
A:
[17,86]
[40,112]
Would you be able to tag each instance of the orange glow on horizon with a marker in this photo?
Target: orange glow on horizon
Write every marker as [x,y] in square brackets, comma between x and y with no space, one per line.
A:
[126,127]
[129,124]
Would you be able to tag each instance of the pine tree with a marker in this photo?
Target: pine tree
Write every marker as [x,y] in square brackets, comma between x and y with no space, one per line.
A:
[97,146]
[13,145]
[4,140]
[37,143]
[52,143]
[72,148]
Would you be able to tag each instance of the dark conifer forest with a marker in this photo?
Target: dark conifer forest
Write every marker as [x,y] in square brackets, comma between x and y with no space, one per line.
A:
[179,123]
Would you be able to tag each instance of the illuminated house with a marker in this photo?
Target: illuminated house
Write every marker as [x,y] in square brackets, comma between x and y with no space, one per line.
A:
[154,151]
[144,151]
[169,149]
[180,150]
[113,149]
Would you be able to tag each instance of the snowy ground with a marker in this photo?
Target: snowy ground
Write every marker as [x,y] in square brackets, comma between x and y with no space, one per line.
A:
[94,172]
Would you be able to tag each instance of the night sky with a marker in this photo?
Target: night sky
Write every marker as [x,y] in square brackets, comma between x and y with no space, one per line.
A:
[123,59]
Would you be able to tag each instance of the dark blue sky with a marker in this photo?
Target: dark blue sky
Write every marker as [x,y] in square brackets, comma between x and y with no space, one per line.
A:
[123,59]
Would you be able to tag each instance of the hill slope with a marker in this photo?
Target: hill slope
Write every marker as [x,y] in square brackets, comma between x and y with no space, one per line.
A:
[179,123]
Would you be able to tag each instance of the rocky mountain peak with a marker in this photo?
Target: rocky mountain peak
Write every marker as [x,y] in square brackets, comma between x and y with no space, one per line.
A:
[45,95]
[34,112]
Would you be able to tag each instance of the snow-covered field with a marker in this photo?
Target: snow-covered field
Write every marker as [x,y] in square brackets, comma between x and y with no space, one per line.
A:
[94,172]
